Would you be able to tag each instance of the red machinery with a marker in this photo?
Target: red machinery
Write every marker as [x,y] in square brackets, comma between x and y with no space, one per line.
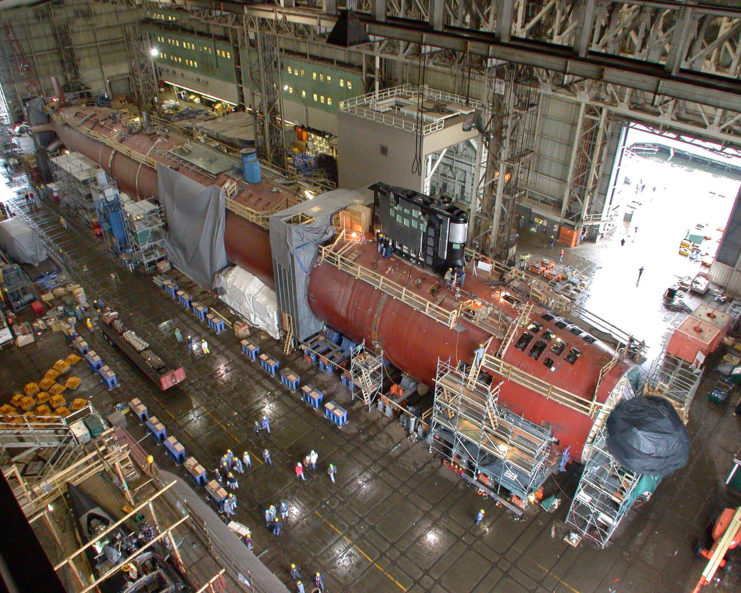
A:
[161,372]
[726,536]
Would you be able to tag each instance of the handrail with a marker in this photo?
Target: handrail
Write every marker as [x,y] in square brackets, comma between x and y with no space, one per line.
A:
[259,218]
[445,316]
[557,394]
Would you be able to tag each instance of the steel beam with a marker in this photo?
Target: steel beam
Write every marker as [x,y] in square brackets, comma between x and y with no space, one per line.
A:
[702,88]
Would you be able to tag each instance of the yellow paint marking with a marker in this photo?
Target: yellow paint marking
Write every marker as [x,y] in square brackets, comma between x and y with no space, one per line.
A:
[362,553]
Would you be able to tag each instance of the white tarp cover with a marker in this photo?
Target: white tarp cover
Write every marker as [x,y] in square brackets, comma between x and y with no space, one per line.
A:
[248,296]
[21,243]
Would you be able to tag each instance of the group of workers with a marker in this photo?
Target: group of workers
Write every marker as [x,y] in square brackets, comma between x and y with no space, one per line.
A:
[296,576]
[455,277]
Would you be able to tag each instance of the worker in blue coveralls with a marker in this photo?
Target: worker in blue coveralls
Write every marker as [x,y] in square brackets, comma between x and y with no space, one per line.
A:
[246,460]
[479,516]
[265,423]
[319,582]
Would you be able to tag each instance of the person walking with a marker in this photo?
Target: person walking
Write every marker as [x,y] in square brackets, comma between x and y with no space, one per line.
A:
[283,510]
[229,456]
[295,572]
[313,458]
[178,335]
[331,471]
[319,582]
[231,481]
[276,526]
[560,256]
[229,506]
[237,465]
[218,477]
[640,273]
[256,426]
[266,457]
[265,423]
[479,516]
[300,587]
[299,469]
[269,516]
[246,460]
[247,539]
[622,242]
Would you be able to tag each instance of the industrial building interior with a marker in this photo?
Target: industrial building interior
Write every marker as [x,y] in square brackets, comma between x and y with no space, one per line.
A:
[405,295]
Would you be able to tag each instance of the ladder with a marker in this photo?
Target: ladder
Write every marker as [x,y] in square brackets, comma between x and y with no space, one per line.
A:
[478,361]
[288,327]
[25,71]
[366,386]
[521,321]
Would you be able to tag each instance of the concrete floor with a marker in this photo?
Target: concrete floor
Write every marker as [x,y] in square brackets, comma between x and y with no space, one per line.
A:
[396,520]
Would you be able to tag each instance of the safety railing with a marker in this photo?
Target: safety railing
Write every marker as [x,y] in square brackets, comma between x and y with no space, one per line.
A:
[259,218]
[547,390]
[389,287]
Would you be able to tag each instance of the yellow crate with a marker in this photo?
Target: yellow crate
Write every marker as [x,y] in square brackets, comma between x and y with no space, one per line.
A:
[57,401]
[72,383]
[27,403]
[72,359]
[42,397]
[56,389]
[46,383]
[31,388]
[78,404]
[7,409]
[61,366]
[51,374]
[63,412]
[43,411]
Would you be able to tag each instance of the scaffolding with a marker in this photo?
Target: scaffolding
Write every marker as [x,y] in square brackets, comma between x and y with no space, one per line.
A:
[145,234]
[366,370]
[498,451]
[606,492]
[75,174]
[675,380]
[111,219]
[35,448]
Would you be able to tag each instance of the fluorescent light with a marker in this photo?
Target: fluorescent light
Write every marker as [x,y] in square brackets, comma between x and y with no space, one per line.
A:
[154,52]
[310,195]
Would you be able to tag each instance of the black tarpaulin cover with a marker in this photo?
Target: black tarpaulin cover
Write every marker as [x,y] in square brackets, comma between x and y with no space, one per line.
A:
[646,435]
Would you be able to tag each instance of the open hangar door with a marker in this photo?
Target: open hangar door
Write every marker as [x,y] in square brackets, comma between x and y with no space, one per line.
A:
[668,202]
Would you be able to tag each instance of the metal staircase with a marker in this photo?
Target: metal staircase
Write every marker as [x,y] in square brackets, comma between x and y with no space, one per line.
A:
[521,321]
[366,370]
[606,492]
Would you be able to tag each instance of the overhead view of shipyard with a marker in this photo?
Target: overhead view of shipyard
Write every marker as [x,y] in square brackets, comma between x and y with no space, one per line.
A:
[370,296]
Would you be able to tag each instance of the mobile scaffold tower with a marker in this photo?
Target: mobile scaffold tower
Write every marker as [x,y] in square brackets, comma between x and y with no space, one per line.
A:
[606,492]
[675,380]
[489,446]
[112,222]
[366,370]
[144,232]
[75,175]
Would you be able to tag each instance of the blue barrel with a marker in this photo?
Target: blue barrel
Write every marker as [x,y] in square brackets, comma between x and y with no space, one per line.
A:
[250,166]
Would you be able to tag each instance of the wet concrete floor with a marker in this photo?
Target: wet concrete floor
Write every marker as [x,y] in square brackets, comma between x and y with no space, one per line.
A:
[396,520]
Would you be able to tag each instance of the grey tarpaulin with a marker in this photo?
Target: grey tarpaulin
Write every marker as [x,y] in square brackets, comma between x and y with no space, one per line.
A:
[646,435]
[21,243]
[295,236]
[195,220]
